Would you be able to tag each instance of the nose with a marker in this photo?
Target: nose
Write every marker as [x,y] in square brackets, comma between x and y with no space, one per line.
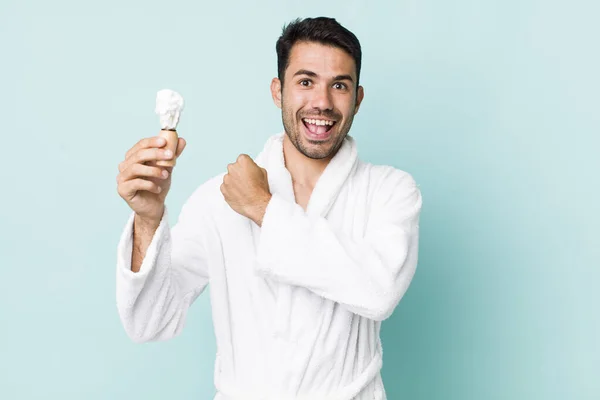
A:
[322,99]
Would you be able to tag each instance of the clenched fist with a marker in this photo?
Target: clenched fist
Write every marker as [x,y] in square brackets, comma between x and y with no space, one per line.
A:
[246,188]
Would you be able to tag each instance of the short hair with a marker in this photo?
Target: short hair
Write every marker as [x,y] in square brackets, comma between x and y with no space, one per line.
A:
[323,30]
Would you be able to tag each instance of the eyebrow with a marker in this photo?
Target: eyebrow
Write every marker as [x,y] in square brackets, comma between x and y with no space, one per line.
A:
[314,75]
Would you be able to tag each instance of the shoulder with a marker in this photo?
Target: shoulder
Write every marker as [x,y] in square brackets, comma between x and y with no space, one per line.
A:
[389,184]
[385,177]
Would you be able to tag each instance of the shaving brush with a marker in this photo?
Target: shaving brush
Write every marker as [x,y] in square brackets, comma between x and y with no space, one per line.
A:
[169,105]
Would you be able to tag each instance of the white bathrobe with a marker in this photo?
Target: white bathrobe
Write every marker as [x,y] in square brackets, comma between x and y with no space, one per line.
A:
[297,303]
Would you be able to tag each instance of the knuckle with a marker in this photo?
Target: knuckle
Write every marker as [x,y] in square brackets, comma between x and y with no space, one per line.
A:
[132,150]
[122,190]
[137,157]
[133,168]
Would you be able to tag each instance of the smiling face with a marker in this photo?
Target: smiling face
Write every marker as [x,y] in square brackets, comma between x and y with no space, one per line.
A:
[318,99]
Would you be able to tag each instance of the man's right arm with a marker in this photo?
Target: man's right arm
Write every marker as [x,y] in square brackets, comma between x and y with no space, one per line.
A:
[160,271]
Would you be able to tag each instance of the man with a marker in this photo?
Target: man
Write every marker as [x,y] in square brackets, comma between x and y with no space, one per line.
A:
[307,248]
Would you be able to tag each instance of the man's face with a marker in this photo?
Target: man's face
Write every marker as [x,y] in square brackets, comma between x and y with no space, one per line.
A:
[318,98]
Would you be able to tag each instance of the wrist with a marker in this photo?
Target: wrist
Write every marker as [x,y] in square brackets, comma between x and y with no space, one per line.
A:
[144,223]
[257,212]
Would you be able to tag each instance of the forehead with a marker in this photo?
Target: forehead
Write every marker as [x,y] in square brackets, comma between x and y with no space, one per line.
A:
[325,60]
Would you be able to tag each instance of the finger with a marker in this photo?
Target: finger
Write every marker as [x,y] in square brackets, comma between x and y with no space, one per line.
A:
[128,189]
[144,156]
[154,141]
[229,168]
[140,170]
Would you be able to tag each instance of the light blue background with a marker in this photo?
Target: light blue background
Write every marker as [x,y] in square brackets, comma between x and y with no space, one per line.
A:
[493,106]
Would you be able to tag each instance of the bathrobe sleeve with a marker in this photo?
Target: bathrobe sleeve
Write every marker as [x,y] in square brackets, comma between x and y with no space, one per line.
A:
[153,303]
[368,275]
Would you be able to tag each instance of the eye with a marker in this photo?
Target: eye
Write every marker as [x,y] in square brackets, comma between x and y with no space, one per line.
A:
[303,81]
[340,85]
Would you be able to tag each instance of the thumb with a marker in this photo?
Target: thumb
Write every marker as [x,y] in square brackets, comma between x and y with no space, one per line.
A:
[180,146]
[181,143]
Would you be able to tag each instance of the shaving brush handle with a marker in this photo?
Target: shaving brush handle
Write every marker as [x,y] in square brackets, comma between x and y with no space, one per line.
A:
[172,141]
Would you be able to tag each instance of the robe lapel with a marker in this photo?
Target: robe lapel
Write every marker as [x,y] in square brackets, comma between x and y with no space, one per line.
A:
[329,184]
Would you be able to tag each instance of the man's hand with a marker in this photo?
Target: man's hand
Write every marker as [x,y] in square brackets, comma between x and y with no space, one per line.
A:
[246,188]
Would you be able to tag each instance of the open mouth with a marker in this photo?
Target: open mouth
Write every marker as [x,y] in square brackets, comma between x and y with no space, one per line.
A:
[318,129]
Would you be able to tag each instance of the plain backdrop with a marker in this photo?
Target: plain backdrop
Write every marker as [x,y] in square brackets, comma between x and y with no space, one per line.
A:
[493,107]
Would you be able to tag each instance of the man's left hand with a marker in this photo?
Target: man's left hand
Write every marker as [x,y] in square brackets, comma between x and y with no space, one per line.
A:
[246,188]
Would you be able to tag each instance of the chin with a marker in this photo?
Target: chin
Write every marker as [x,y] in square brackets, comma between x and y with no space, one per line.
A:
[316,149]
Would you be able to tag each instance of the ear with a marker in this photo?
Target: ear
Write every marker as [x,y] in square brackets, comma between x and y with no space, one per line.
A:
[360,94]
[276,91]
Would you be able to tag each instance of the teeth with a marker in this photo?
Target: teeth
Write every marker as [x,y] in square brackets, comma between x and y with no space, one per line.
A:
[318,122]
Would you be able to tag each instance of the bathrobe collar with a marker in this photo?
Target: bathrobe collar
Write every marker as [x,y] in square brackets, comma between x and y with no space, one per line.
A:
[328,185]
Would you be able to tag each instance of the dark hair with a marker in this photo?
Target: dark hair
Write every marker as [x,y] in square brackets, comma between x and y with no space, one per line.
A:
[322,30]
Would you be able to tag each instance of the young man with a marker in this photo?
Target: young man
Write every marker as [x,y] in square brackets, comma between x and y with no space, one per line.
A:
[307,248]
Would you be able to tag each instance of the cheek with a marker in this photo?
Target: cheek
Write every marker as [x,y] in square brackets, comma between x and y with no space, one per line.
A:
[295,100]
[347,105]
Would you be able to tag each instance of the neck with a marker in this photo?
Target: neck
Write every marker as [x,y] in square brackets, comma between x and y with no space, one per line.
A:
[304,170]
